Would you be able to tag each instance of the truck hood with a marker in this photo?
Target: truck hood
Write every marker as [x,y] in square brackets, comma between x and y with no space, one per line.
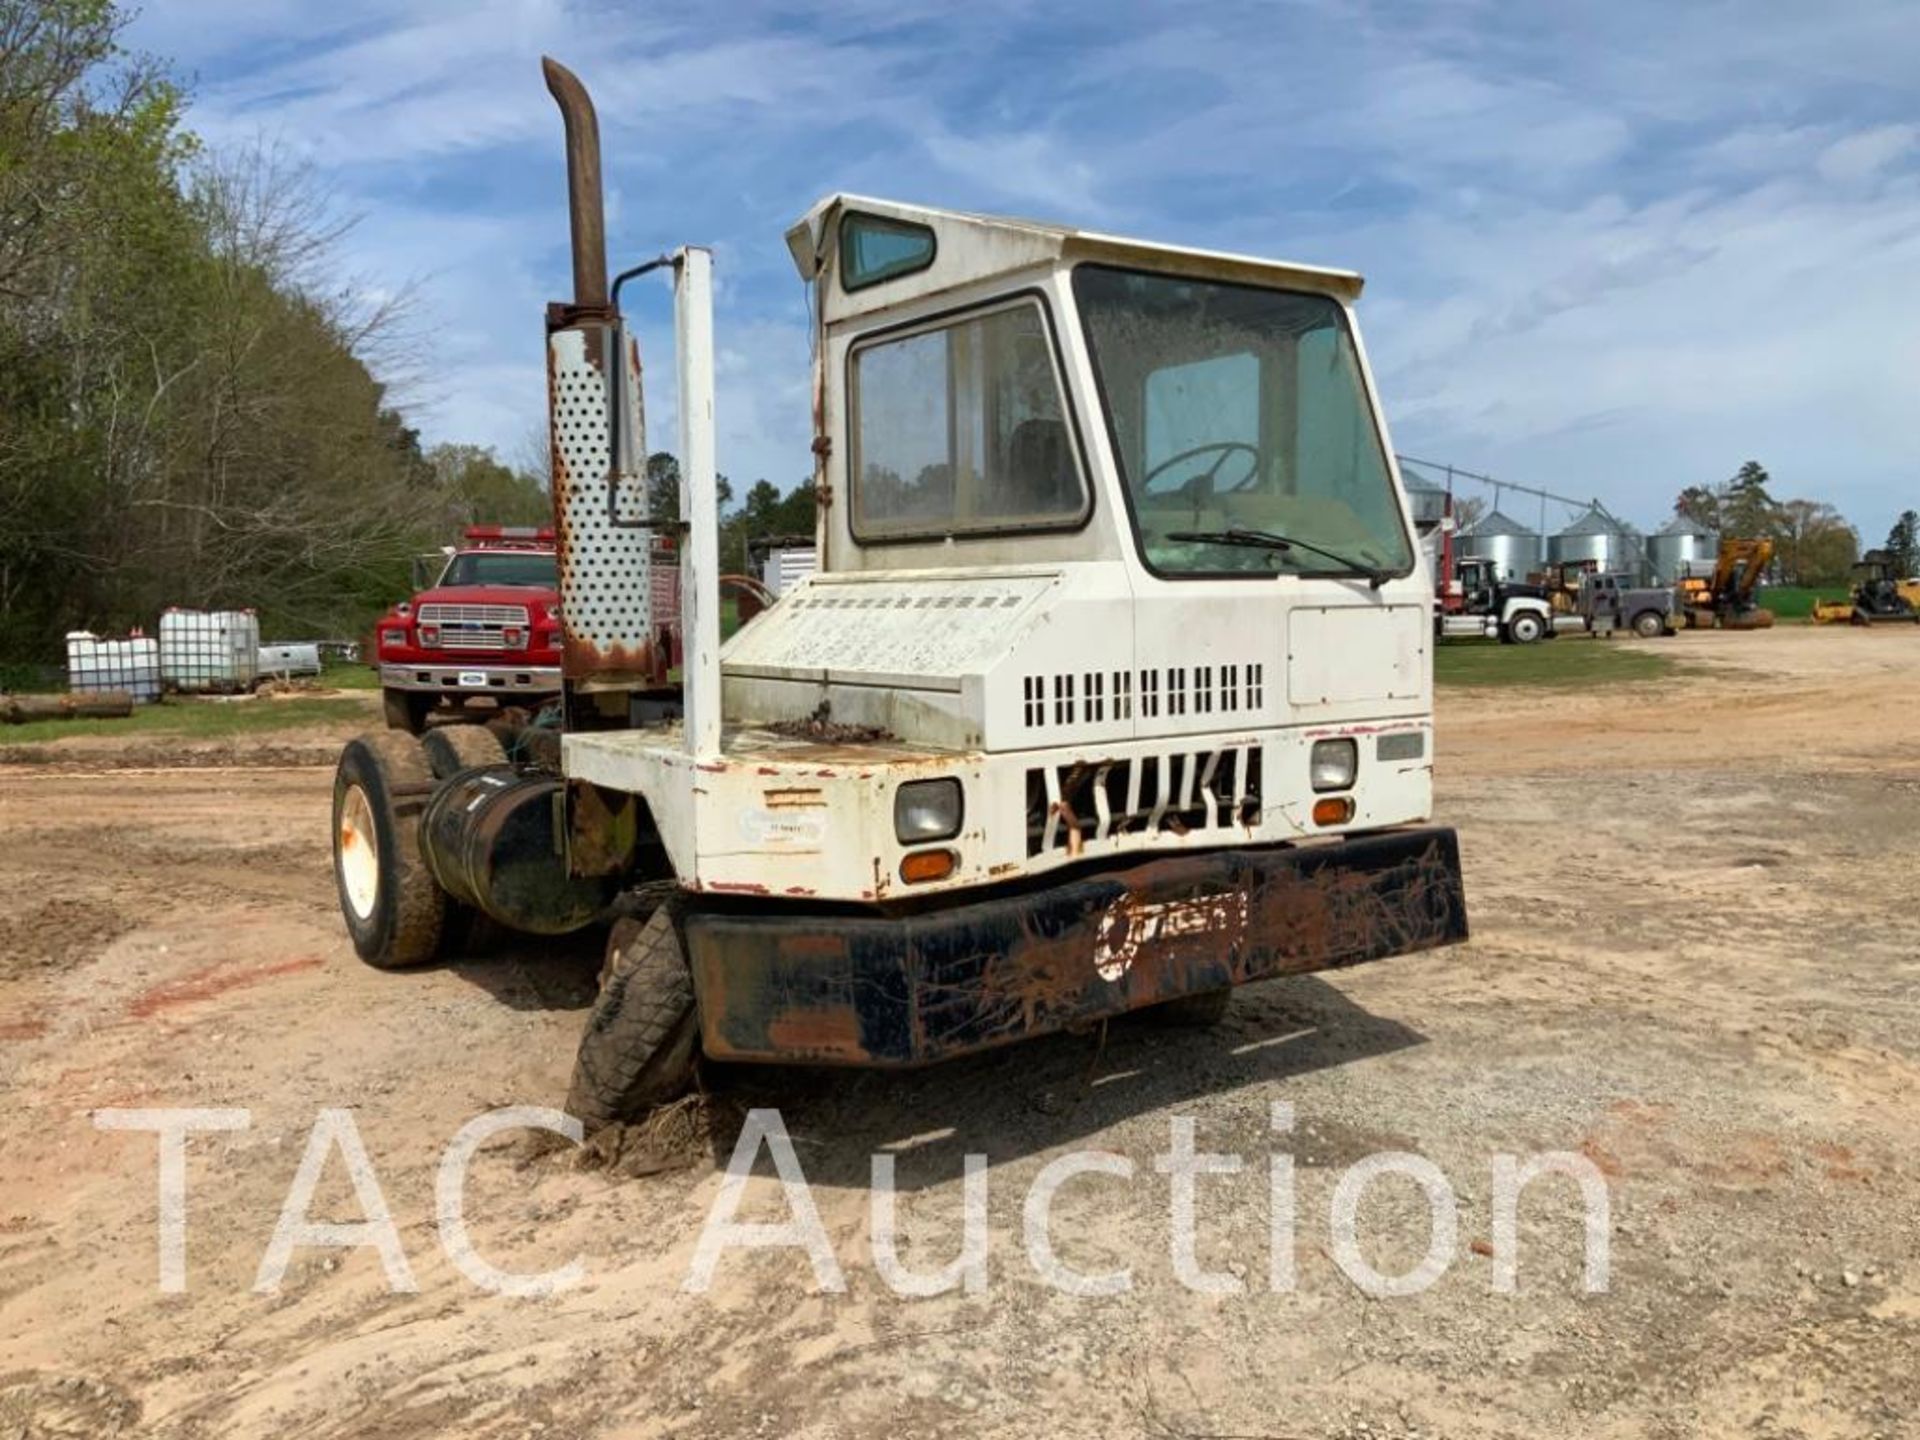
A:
[528,595]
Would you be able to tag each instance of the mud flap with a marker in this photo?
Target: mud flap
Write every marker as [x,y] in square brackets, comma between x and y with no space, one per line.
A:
[896,990]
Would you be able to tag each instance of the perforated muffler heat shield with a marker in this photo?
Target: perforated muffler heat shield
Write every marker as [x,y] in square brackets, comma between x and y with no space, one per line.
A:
[611,634]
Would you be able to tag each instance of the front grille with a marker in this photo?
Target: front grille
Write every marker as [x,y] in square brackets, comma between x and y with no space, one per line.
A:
[494,615]
[1096,804]
[473,627]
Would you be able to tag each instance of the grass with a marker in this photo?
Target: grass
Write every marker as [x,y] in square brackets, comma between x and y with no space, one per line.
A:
[1566,663]
[349,675]
[195,719]
[1795,602]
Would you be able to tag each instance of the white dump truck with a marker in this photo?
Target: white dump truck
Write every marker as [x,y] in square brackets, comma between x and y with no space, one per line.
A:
[1112,689]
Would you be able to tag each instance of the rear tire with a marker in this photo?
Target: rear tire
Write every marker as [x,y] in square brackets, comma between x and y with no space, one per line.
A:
[408,709]
[393,908]
[453,748]
[1194,1012]
[643,1034]
[1525,629]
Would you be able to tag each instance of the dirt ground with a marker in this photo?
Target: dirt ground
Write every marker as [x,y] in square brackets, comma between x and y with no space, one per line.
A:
[1694,962]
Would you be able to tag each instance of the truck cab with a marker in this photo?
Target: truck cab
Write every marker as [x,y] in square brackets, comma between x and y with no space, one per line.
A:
[1112,689]
[1609,601]
[1491,607]
[486,628]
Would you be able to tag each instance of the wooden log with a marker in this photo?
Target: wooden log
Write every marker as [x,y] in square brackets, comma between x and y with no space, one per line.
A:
[98,705]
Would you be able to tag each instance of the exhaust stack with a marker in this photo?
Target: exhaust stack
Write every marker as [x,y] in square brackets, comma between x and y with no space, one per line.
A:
[586,212]
[616,629]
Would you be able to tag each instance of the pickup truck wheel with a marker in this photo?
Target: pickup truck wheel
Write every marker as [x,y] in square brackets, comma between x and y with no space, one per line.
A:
[643,1032]
[1197,1012]
[1649,624]
[454,748]
[1526,628]
[408,709]
[394,910]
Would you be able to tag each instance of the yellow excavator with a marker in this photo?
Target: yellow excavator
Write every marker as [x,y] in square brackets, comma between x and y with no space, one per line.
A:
[1878,594]
[1725,601]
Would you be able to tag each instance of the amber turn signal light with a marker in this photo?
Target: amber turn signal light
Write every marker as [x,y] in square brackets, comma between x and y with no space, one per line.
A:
[925,865]
[1334,810]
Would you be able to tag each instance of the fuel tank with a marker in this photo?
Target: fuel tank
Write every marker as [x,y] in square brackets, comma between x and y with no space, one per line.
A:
[495,840]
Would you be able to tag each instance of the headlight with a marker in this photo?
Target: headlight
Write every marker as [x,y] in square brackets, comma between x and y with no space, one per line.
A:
[1333,764]
[392,639]
[926,810]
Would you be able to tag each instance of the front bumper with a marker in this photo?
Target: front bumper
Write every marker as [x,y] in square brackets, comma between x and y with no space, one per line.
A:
[872,989]
[495,679]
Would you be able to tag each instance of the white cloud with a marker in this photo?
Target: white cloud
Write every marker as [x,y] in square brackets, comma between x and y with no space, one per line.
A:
[1866,153]
[1612,247]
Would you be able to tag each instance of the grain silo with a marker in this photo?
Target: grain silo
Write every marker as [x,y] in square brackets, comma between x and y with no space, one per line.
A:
[1513,548]
[1593,537]
[1427,500]
[1680,548]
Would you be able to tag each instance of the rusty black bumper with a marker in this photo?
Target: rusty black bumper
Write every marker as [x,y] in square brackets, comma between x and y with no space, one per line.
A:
[882,989]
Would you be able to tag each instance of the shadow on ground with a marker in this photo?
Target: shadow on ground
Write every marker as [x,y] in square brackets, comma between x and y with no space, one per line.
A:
[531,972]
[1032,1096]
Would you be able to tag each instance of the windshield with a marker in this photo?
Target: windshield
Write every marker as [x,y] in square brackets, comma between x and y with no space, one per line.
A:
[1236,408]
[503,567]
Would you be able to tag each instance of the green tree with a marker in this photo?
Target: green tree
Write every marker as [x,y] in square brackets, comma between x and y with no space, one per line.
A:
[1746,506]
[1815,545]
[1903,545]
[476,489]
[189,409]
[1701,505]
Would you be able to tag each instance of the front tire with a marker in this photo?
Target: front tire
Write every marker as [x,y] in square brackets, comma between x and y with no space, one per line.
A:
[1649,624]
[393,908]
[643,1034]
[1526,629]
[407,710]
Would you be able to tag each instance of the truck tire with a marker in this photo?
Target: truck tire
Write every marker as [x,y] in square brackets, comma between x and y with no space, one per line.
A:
[643,1032]
[408,709]
[393,909]
[1649,624]
[453,748]
[1196,1012]
[1525,628]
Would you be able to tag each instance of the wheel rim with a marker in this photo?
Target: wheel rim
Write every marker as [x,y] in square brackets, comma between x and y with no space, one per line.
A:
[358,853]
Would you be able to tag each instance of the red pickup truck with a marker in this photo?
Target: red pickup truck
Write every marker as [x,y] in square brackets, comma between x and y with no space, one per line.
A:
[489,626]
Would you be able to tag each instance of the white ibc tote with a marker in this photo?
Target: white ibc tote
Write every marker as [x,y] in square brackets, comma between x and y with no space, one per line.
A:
[202,650]
[96,666]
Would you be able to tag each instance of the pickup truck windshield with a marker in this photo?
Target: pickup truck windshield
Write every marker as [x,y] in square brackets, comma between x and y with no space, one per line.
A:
[1238,409]
[503,567]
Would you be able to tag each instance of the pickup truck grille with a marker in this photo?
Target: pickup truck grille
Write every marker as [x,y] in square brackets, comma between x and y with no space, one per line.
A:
[473,627]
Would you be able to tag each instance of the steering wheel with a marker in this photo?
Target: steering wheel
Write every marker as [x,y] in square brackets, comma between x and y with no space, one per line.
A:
[1226,449]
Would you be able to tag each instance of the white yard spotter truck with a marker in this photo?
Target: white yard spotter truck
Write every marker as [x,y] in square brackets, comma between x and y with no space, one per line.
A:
[1112,691]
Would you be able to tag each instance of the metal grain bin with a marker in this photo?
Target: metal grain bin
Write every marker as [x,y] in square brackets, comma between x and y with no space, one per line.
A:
[1513,548]
[1591,537]
[1427,500]
[1679,548]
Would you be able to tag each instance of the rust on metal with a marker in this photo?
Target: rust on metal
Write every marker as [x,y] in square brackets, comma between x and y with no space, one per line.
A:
[584,208]
[926,985]
[603,829]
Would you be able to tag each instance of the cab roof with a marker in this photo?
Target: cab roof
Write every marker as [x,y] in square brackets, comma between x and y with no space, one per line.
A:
[970,248]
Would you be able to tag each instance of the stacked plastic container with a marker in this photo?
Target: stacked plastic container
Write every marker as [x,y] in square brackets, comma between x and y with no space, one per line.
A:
[96,666]
[209,651]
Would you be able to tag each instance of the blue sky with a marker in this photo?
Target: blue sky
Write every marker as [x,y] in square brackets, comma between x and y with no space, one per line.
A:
[1611,249]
